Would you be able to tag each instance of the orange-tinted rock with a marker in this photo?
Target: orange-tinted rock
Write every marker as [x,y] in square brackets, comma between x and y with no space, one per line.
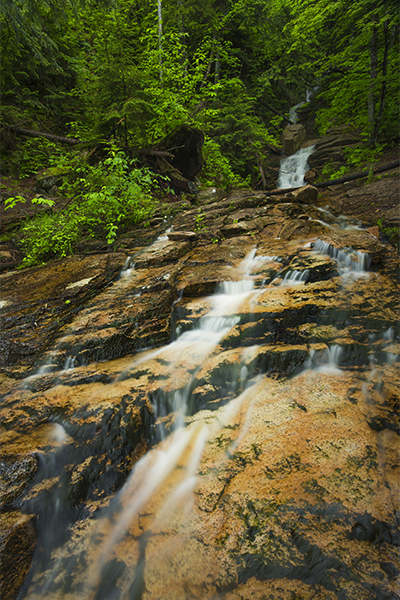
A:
[285,480]
[17,545]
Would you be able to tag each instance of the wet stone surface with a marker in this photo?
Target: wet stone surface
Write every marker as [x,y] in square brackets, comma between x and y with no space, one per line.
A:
[205,417]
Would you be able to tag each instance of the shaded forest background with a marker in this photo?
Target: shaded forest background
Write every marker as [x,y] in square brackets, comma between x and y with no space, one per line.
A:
[142,68]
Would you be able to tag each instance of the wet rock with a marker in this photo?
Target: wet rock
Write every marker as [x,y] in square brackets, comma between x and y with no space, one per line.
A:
[310,175]
[392,217]
[182,236]
[15,474]
[17,545]
[38,301]
[329,149]
[211,195]
[162,251]
[305,195]
[236,229]
[293,137]
[284,480]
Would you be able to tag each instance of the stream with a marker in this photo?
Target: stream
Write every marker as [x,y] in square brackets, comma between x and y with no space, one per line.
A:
[255,454]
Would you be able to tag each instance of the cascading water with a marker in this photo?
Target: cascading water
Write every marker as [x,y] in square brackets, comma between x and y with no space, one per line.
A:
[293,169]
[183,448]
[257,365]
[293,110]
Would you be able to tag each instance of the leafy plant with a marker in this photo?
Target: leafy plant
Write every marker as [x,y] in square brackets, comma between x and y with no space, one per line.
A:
[13,201]
[360,156]
[103,198]
[392,233]
[216,170]
[199,221]
[33,155]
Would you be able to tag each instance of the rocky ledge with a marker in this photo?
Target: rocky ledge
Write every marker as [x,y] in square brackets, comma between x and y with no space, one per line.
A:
[268,327]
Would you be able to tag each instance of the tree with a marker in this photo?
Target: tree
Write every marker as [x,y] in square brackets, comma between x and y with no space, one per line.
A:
[352,55]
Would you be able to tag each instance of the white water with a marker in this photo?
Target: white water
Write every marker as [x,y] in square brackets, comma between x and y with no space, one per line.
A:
[349,261]
[293,111]
[295,277]
[293,169]
[171,469]
[326,361]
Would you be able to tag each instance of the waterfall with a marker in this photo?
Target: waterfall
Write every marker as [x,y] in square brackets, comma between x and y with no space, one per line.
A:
[225,434]
[293,169]
[293,110]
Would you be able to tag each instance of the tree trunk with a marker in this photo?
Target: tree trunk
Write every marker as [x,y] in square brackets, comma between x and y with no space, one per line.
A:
[383,88]
[373,54]
[160,35]
[48,136]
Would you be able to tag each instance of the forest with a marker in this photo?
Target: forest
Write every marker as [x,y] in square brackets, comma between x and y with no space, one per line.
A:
[110,79]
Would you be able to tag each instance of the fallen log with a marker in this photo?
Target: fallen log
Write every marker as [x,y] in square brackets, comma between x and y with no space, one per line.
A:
[272,109]
[324,184]
[49,136]
[354,176]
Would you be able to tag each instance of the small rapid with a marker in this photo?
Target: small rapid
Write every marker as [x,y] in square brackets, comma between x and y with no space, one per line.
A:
[253,395]
[293,168]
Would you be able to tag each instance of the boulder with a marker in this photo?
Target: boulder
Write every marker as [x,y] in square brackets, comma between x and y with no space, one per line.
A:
[305,195]
[330,149]
[182,236]
[310,175]
[179,153]
[293,137]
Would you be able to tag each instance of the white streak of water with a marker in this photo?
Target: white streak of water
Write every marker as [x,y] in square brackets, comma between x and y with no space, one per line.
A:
[295,277]
[293,169]
[147,476]
[349,261]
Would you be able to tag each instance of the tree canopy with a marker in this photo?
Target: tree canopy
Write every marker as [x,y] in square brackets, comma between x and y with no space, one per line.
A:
[231,68]
[218,65]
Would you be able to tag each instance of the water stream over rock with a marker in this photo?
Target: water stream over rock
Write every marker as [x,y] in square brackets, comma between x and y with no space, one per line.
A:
[293,168]
[220,421]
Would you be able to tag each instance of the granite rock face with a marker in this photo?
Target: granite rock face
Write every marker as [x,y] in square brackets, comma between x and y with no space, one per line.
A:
[293,137]
[213,415]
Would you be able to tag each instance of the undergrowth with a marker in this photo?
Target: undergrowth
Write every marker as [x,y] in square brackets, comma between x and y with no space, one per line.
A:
[100,200]
[357,158]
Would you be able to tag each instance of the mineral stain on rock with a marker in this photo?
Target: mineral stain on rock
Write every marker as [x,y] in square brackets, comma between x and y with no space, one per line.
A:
[209,418]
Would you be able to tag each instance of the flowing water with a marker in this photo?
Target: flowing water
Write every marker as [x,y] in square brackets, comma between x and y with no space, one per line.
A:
[144,542]
[162,484]
[293,169]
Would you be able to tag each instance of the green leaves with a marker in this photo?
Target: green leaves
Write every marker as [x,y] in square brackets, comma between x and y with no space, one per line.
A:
[13,201]
[110,195]
[336,38]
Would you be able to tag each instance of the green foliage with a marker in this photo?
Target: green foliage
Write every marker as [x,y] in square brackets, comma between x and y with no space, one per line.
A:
[229,117]
[360,156]
[217,170]
[199,221]
[357,158]
[328,172]
[352,52]
[33,155]
[88,68]
[13,201]
[392,233]
[103,198]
